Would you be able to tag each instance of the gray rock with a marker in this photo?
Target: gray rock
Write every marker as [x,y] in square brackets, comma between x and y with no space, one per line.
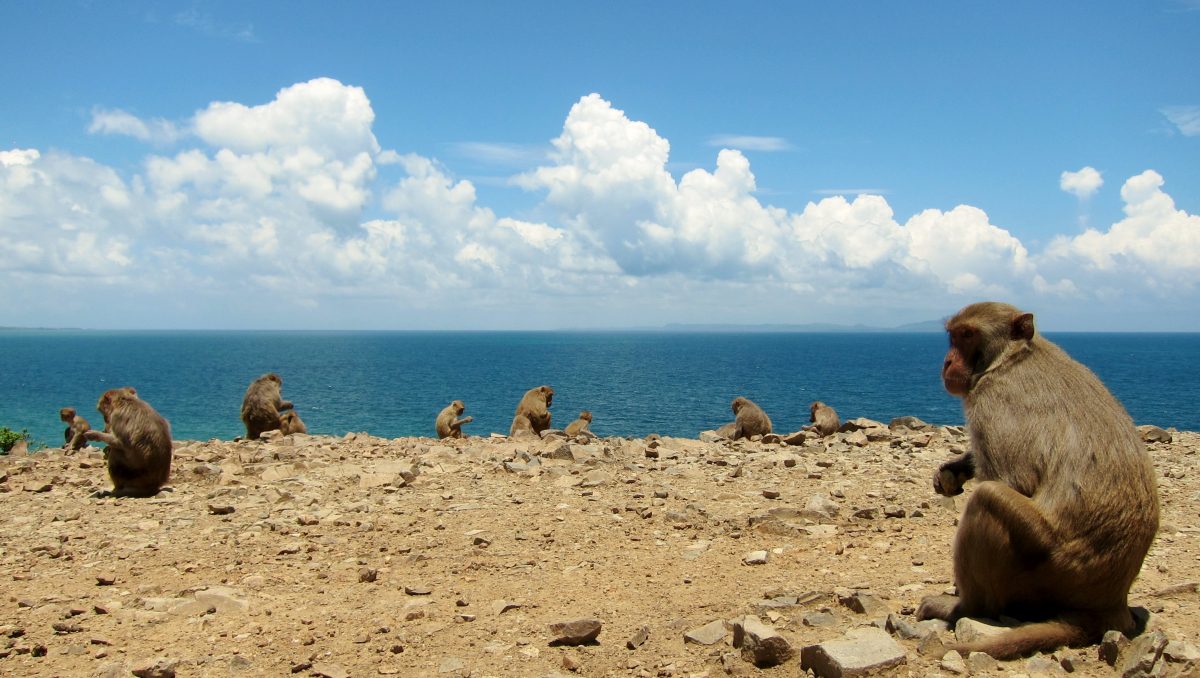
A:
[862,651]
[911,423]
[859,424]
[760,643]
[969,630]
[931,645]
[819,619]
[820,507]
[159,667]
[863,603]
[901,627]
[980,662]
[756,558]
[953,662]
[709,634]
[575,632]
[1143,652]
[1111,647]
[1179,651]
[638,638]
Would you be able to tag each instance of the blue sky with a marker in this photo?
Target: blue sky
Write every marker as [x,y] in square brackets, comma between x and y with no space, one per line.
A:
[548,165]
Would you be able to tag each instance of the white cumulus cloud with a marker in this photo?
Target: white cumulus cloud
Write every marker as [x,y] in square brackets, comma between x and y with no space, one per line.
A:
[1081,184]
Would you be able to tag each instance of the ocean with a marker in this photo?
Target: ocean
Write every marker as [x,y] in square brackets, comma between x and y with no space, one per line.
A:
[393,384]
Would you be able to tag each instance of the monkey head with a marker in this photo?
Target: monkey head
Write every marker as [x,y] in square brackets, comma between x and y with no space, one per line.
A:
[815,406]
[585,415]
[737,404]
[982,335]
[548,392]
[458,406]
[112,398]
[67,414]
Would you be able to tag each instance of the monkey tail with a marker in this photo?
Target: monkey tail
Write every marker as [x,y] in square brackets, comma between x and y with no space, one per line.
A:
[1025,640]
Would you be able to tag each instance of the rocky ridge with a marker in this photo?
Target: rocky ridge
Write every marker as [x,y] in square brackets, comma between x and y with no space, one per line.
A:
[363,556]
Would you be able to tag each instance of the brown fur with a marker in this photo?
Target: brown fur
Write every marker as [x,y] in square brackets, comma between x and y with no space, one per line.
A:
[139,444]
[580,425]
[290,422]
[749,419]
[534,408]
[1066,505]
[73,438]
[262,405]
[448,424]
[824,419]
[727,430]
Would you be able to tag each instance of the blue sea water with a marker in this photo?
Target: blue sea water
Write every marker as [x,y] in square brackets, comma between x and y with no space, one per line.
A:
[393,384]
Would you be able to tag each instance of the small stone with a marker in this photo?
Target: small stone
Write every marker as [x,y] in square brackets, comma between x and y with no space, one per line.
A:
[638,638]
[819,619]
[901,627]
[418,590]
[981,662]
[709,634]
[968,630]
[575,632]
[502,606]
[106,579]
[1143,652]
[771,494]
[159,667]
[755,558]
[760,643]
[931,645]
[894,512]
[367,575]
[953,662]
[861,651]
[222,510]
[863,603]
[1111,646]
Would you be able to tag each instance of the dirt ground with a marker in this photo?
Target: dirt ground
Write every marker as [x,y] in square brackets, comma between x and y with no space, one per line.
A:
[363,556]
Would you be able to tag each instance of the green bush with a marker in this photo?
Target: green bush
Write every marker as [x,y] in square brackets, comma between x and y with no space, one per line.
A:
[9,438]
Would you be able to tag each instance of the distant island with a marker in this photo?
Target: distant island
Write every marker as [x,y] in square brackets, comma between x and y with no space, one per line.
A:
[923,326]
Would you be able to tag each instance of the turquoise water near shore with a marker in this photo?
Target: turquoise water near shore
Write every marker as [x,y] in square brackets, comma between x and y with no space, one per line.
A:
[393,384]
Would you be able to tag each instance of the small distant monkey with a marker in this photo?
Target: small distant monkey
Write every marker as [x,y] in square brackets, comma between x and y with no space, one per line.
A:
[749,419]
[580,425]
[533,412]
[76,426]
[262,405]
[139,444]
[824,419]
[290,422]
[448,424]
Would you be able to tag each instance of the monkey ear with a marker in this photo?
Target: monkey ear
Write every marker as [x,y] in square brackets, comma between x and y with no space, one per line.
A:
[1022,327]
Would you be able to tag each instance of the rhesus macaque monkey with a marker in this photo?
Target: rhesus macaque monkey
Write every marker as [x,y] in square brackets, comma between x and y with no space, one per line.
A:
[76,427]
[139,444]
[824,419]
[262,405]
[749,419]
[128,390]
[1065,507]
[290,422]
[448,424]
[580,425]
[533,412]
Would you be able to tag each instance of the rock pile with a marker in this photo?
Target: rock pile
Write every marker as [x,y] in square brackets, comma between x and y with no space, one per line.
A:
[362,556]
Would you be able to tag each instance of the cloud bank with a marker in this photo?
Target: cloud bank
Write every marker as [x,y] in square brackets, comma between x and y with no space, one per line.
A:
[274,215]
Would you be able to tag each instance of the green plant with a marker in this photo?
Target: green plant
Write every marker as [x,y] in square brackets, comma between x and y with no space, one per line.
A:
[9,438]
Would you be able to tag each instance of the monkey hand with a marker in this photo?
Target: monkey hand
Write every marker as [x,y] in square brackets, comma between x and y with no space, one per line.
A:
[467,420]
[947,482]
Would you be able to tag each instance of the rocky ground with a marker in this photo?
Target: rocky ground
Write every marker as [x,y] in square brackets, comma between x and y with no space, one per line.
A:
[362,556]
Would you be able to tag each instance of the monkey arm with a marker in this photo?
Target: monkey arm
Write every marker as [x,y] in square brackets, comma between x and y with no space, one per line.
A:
[460,422]
[1031,534]
[77,441]
[951,475]
[101,437]
[284,405]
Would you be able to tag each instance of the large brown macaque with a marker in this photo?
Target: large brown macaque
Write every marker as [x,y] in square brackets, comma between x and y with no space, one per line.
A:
[533,412]
[139,444]
[262,405]
[749,419]
[74,439]
[580,425]
[447,424]
[824,419]
[1065,507]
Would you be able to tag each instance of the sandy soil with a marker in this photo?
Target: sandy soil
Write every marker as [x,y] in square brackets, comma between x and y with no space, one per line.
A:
[362,556]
